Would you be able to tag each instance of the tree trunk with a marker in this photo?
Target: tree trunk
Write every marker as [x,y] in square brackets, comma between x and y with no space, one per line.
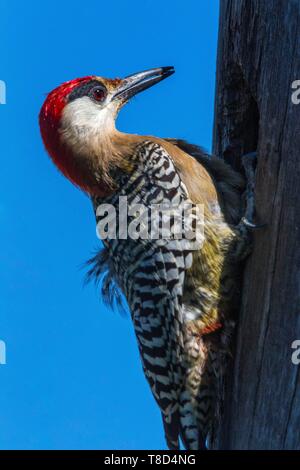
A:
[258,60]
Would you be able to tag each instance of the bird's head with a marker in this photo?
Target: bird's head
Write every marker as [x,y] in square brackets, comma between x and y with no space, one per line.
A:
[77,123]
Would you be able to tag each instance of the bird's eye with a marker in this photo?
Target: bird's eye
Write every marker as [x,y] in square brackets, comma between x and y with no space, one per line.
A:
[98,93]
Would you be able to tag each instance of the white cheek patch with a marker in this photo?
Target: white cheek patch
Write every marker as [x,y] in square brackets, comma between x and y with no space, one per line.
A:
[82,117]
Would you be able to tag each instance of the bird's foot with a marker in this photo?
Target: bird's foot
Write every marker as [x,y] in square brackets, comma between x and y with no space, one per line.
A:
[249,159]
[249,164]
[250,225]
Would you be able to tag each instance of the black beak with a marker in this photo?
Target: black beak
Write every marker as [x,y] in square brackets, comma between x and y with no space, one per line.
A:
[140,81]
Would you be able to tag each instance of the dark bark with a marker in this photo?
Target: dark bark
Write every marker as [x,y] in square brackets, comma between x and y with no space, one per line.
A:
[258,59]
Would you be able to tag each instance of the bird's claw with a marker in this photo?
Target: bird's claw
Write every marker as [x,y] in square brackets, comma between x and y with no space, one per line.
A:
[249,163]
[251,225]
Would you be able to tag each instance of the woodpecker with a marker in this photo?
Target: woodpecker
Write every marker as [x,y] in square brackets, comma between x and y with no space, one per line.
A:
[183,301]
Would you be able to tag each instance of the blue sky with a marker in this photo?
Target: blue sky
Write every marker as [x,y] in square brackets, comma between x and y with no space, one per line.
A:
[73,378]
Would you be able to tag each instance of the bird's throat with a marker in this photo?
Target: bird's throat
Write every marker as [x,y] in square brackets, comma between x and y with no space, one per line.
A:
[88,158]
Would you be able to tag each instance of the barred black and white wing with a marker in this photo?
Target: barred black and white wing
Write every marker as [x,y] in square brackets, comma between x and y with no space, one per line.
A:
[151,273]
